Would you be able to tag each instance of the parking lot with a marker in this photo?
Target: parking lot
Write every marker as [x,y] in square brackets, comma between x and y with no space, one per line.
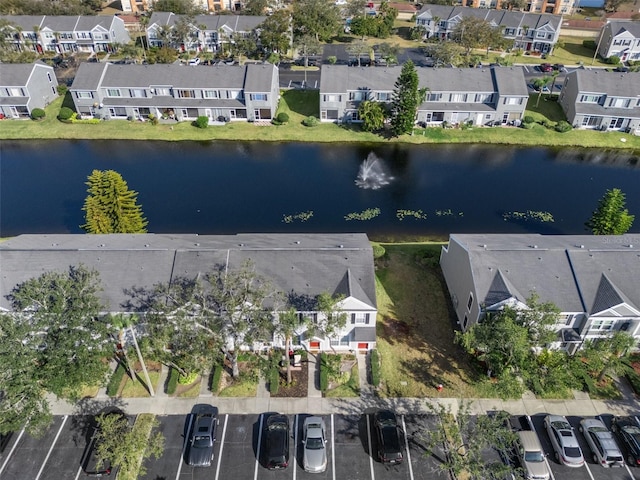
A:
[58,453]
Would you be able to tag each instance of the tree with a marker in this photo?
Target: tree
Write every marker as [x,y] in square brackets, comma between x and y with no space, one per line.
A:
[611,217]
[183,326]
[238,298]
[472,32]
[539,320]
[389,53]
[358,48]
[110,206]
[355,8]
[540,84]
[182,30]
[607,355]
[128,446]
[514,4]
[460,440]
[286,324]
[245,46]
[445,54]
[318,18]
[331,318]
[275,35]
[255,7]
[61,314]
[614,5]
[308,45]
[407,97]
[372,115]
[179,7]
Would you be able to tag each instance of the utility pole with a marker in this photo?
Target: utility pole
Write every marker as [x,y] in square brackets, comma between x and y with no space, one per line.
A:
[144,366]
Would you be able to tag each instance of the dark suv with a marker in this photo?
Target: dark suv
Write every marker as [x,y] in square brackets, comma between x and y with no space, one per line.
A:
[277,442]
[386,425]
[203,436]
[627,430]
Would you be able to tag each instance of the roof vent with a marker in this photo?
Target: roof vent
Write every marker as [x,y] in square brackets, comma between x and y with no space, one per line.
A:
[534,246]
[297,242]
[197,244]
[241,244]
[581,246]
[631,245]
[341,246]
[146,245]
[484,245]
[101,245]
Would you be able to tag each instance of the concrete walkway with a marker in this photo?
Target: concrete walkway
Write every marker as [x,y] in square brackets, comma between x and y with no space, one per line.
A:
[162,404]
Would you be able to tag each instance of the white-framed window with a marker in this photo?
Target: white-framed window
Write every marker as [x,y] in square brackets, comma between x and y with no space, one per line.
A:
[590,121]
[470,301]
[590,98]
[186,94]
[308,316]
[434,97]
[601,325]
[332,98]
[260,97]
[113,92]
[15,92]
[484,98]
[513,101]
[210,94]
[340,342]
[84,94]
[568,320]
[358,96]
[620,102]
[161,91]
[49,76]
[458,97]
[360,318]
[384,96]
[138,93]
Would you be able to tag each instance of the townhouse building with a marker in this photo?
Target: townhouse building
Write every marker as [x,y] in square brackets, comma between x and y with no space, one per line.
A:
[25,86]
[65,34]
[601,100]
[556,7]
[176,92]
[530,32]
[474,96]
[208,33]
[620,39]
[299,266]
[591,279]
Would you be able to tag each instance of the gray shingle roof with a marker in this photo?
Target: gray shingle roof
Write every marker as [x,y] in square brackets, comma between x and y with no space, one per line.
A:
[305,264]
[505,18]
[611,83]
[237,23]
[619,27]
[26,22]
[60,23]
[17,74]
[563,269]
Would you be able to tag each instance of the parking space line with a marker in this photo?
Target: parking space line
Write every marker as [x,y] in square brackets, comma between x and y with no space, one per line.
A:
[546,460]
[333,449]
[589,470]
[373,476]
[406,446]
[295,445]
[46,459]
[255,473]
[79,472]
[184,446]
[629,471]
[224,432]
[11,452]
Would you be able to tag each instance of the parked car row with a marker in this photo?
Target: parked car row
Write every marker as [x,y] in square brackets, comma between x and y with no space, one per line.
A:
[607,447]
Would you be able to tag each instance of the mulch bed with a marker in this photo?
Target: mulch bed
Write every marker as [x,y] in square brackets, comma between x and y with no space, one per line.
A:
[298,387]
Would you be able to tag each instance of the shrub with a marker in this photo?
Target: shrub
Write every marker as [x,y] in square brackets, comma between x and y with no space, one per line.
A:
[374,358]
[324,372]
[172,381]
[528,119]
[378,251]
[589,44]
[187,379]
[216,378]
[116,380]
[153,119]
[563,126]
[528,126]
[62,89]
[332,59]
[65,113]
[283,117]
[613,60]
[310,121]
[37,114]
[274,380]
[201,122]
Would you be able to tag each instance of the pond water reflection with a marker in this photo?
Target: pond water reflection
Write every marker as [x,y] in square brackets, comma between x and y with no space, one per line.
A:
[229,187]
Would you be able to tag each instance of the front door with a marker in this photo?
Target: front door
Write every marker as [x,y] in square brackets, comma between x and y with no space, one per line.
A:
[14,112]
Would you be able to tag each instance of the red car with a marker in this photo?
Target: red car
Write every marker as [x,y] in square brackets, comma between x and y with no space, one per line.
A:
[546,68]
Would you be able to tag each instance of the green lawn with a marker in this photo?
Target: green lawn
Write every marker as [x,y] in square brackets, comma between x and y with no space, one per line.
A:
[349,388]
[242,387]
[137,388]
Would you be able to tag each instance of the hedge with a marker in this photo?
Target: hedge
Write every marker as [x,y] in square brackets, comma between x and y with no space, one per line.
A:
[37,114]
[324,373]
[216,378]
[274,381]
[116,379]
[65,113]
[310,121]
[378,251]
[201,122]
[375,367]
[172,381]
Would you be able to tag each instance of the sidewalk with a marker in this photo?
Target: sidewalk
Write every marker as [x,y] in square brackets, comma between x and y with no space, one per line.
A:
[162,404]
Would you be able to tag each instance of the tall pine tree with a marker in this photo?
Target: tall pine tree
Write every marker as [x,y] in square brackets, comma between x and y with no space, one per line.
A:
[110,206]
[407,97]
[611,217]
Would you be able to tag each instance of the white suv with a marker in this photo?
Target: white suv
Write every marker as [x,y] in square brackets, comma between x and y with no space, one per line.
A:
[532,457]
[601,442]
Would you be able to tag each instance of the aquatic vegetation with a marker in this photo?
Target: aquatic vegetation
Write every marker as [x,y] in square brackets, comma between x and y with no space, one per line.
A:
[543,217]
[417,214]
[367,214]
[302,217]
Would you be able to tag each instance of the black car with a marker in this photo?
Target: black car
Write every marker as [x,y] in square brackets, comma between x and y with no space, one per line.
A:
[627,430]
[622,69]
[203,436]
[277,442]
[386,426]
[92,464]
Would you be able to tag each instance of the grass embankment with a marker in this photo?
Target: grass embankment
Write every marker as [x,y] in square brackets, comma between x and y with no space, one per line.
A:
[299,105]
[415,329]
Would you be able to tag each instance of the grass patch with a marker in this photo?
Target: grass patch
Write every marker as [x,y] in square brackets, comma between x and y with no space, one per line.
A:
[350,388]
[144,424]
[191,392]
[414,318]
[245,386]
[113,387]
[546,110]
[216,378]
[137,388]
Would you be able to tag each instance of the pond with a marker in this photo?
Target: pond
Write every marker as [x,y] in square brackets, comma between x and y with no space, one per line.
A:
[232,187]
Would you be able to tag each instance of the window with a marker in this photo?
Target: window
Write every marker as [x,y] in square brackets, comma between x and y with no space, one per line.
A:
[616,122]
[620,102]
[332,98]
[186,94]
[590,121]
[357,96]
[259,97]
[569,320]
[383,96]
[434,97]
[307,316]
[601,325]
[458,97]
[138,93]
[49,76]
[113,92]
[589,98]
[484,98]
[337,342]
[513,101]
[210,94]
[360,318]
[84,94]
[465,322]
[470,301]
[161,91]
[437,117]
[15,92]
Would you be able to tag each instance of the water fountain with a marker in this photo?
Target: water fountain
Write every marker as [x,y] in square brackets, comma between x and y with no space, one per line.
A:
[371,174]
